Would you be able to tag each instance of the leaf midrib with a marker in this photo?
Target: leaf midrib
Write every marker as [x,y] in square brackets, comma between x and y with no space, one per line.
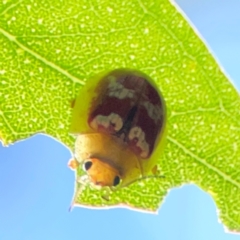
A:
[54,66]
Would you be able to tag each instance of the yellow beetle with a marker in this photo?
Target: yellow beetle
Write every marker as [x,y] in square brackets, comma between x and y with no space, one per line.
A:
[119,118]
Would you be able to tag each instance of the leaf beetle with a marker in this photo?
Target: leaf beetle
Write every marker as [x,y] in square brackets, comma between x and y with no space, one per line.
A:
[119,119]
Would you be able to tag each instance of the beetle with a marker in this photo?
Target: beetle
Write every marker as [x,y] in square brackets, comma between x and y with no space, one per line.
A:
[119,119]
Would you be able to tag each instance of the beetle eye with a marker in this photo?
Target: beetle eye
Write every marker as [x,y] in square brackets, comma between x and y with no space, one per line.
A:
[116,181]
[87,165]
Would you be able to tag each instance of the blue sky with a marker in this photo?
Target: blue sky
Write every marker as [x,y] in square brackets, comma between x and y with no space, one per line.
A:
[36,187]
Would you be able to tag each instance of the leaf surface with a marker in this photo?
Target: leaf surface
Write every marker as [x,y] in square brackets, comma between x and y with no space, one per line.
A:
[49,49]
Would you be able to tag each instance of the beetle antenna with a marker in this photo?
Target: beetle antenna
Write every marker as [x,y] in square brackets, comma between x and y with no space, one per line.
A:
[146,177]
[152,176]
[78,191]
[106,197]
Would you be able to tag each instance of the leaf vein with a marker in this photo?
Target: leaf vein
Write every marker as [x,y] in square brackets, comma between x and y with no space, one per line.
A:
[40,58]
[202,161]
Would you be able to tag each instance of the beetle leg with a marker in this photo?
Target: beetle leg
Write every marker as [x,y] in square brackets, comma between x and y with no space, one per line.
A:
[155,170]
[73,164]
[106,195]
[109,190]
[72,103]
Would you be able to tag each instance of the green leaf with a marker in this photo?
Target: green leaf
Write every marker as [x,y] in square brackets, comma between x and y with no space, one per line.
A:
[49,49]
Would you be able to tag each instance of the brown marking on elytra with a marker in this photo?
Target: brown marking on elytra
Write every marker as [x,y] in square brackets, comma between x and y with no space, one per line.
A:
[111,123]
[117,94]
[138,142]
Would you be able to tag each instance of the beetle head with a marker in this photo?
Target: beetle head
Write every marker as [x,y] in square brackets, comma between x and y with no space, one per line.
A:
[99,172]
